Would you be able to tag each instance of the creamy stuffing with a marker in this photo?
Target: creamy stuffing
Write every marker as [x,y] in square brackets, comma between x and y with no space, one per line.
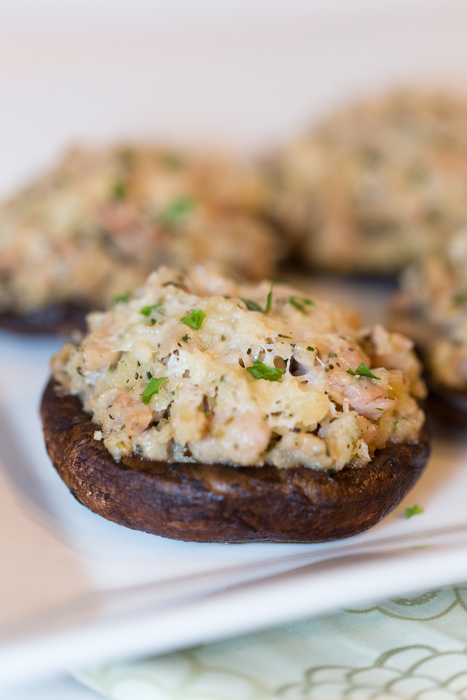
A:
[194,367]
[100,221]
[377,183]
[432,306]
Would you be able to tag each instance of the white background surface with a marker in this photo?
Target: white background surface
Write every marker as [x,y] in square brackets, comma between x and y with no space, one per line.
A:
[247,74]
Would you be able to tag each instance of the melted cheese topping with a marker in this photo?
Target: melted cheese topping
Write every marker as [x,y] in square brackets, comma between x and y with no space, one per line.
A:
[243,387]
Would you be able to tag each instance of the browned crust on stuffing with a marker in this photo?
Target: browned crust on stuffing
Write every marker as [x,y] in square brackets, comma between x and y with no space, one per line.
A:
[58,319]
[221,503]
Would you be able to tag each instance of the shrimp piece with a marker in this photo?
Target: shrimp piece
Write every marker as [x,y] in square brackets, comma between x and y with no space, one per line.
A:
[369,430]
[346,351]
[240,439]
[393,350]
[366,396]
[118,411]
[98,349]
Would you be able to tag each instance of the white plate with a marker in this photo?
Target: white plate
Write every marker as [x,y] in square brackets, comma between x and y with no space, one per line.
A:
[73,587]
[81,589]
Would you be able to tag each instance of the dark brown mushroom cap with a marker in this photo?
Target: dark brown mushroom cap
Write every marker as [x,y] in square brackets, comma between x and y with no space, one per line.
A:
[60,319]
[221,503]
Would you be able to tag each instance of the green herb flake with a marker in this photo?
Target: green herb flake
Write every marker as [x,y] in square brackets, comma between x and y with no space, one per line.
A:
[152,389]
[194,320]
[176,212]
[119,190]
[415,510]
[298,303]
[269,299]
[310,349]
[186,338]
[252,305]
[147,310]
[172,161]
[121,297]
[363,371]
[332,354]
[261,371]
[396,423]
[461,297]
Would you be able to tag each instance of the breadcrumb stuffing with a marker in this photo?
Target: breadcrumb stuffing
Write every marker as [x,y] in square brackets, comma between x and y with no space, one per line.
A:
[194,367]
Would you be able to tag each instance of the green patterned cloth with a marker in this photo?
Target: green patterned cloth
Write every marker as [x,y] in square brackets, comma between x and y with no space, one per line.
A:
[405,648]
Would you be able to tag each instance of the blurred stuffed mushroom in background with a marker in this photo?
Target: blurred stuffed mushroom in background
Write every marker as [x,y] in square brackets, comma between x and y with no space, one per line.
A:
[97,223]
[376,184]
[431,306]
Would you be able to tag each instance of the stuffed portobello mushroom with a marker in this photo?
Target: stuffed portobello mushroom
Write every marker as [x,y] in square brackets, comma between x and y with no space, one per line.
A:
[95,225]
[375,185]
[431,305]
[204,410]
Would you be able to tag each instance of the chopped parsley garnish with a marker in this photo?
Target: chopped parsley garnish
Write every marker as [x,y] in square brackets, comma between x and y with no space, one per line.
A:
[152,389]
[415,510]
[298,303]
[147,310]
[363,371]
[261,371]
[269,299]
[121,297]
[186,338]
[195,319]
[176,212]
[461,296]
[252,305]
[310,349]
[332,354]
[119,190]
